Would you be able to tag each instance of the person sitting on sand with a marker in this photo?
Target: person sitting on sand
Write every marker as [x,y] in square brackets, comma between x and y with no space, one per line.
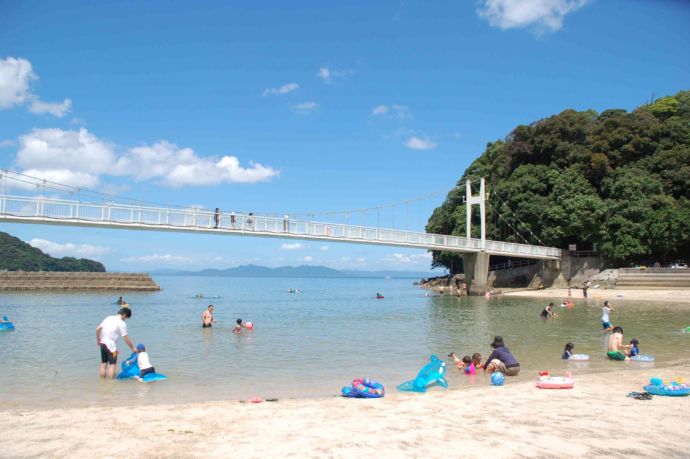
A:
[477,361]
[207,319]
[605,321]
[634,349]
[143,361]
[238,328]
[547,312]
[616,348]
[501,359]
[568,351]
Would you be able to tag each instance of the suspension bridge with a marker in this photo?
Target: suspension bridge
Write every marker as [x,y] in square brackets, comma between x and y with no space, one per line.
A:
[113,215]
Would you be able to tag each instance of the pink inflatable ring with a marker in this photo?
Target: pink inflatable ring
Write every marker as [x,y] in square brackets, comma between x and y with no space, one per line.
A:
[555,382]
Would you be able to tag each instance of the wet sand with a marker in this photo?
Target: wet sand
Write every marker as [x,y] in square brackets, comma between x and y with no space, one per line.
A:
[670,296]
[594,419]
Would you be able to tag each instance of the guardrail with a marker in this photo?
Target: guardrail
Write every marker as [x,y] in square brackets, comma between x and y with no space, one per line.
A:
[57,211]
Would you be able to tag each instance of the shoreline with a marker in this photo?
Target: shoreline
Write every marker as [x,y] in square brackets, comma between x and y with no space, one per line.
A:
[516,419]
[655,295]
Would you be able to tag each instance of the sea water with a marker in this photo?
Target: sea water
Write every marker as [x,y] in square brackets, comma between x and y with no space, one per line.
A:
[305,344]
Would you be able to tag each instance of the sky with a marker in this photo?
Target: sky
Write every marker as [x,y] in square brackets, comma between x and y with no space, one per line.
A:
[302,107]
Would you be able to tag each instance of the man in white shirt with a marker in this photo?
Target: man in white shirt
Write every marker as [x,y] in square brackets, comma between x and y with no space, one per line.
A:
[107,333]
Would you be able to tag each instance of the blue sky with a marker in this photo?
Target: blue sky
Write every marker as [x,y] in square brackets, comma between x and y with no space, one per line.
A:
[317,106]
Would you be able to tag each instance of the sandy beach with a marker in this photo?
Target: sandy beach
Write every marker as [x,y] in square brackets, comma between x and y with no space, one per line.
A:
[594,419]
[663,295]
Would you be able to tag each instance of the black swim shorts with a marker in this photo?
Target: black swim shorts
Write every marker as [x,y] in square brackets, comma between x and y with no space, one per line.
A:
[107,356]
[146,371]
[206,325]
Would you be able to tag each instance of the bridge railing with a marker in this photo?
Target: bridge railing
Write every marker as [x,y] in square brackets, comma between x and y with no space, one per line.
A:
[111,213]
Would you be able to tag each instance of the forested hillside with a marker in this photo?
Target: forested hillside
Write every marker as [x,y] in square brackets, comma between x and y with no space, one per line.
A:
[617,180]
[17,255]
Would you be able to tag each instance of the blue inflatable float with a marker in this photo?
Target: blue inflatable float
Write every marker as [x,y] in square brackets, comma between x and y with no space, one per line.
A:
[6,324]
[673,389]
[430,375]
[363,388]
[130,369]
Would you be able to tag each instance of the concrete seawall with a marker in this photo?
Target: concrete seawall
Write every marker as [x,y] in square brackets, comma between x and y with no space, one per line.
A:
[44,280]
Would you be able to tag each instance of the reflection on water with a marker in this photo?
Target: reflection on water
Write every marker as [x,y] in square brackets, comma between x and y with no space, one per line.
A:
[306,344]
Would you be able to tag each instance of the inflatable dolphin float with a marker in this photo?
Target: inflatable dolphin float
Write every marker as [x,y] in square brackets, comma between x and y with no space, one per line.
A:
[430,375]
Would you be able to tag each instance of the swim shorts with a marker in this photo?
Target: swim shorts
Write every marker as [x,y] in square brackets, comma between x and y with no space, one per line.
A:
[107,356]
[146,371]
[606,325]
[206,325]
[615,355]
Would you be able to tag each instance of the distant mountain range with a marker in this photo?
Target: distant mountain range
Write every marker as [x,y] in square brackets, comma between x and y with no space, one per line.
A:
[291,271]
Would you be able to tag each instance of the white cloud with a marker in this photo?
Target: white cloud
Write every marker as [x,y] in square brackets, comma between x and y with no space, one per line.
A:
[284,89]
[68,249]
[78,151]
[157,258]
[55,109]
[415,143]
[542,14]
[61,176]
[380,110]
[6,143]
[394,110]
[305,107]
[178,167]
[80,158]
[15,81]
[324,248]
[327,75]
[16,76]
[307,259]
[292,246]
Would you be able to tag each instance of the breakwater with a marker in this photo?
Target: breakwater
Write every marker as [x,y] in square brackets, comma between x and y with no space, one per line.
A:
[45,280]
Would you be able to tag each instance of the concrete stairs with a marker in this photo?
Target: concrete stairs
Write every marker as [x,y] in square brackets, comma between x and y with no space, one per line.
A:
[43,280]
[651,278]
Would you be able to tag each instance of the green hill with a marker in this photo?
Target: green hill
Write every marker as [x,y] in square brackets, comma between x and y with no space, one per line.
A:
[17,255]
[617,180]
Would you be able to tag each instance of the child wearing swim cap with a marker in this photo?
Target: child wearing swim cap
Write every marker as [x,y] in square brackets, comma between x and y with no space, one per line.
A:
[143,361]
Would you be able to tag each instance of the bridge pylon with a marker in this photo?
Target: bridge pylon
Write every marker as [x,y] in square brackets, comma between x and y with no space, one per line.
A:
[476,265]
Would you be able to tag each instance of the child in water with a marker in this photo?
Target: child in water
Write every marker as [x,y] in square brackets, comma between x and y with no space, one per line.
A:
[469,366]
[465,364]
[634,350]
[238,328]
[477,361]
[568,351]
[458,363]
[143,361]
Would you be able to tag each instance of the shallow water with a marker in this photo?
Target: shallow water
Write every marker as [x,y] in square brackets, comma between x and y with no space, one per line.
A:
[305,344]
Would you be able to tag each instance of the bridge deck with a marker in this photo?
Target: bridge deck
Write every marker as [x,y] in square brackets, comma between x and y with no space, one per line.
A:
[22,209]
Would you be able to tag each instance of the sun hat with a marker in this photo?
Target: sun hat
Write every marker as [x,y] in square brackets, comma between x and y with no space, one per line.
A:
[141,347]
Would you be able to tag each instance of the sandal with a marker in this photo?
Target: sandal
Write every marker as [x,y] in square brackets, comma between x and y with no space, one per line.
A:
[640,395]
